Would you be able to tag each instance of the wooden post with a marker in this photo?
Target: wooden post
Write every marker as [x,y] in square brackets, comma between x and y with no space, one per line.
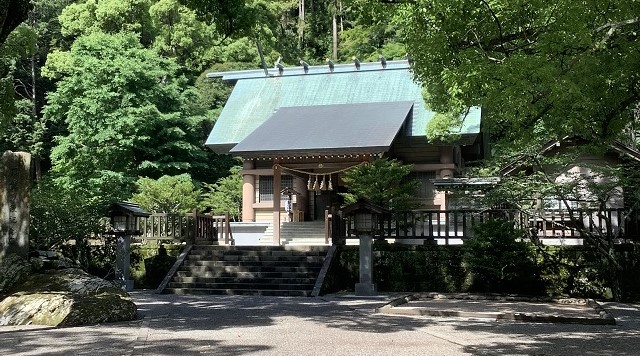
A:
[248,192]
[226,228]
[277,186]
[327,226]
[195,227]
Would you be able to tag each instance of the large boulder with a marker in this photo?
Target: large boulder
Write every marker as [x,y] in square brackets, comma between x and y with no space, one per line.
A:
[13,271]
[67,297]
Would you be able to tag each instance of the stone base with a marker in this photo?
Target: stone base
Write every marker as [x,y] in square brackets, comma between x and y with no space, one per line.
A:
[128,285]
[366,289]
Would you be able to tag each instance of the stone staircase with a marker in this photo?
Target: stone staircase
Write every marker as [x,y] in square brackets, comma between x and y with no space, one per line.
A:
[307,233]
[249,270]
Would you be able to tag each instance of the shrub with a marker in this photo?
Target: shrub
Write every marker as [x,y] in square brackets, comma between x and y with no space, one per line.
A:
[500,261]
[168,194]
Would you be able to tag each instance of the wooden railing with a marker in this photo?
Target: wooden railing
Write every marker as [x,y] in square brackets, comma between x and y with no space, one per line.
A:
[190,228]
[457,225]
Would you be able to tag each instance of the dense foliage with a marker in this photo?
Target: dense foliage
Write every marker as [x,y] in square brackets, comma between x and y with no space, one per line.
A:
[499,260]
[167,194]
[225,196]
[543,69]
[384,182]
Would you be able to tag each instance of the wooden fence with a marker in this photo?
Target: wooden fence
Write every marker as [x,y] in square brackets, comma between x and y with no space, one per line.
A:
[192,228]
[454,226]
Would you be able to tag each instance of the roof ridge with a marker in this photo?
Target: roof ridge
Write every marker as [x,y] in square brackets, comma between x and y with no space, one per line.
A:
[312,70]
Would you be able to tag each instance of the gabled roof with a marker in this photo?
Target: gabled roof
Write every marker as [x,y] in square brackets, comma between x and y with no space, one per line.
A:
[127,208]
[255,99]
[327,129]
[616,146]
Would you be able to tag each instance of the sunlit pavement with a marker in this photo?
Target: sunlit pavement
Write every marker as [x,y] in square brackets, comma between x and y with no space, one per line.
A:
[239,325]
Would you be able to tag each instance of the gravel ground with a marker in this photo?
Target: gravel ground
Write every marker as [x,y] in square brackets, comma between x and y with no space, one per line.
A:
[238,325]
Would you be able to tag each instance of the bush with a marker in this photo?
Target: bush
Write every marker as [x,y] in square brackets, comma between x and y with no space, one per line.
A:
[500,261]
[168,194]
[401,268]
[154,263]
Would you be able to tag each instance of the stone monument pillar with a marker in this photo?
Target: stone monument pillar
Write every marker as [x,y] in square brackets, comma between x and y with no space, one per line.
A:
[123,261]
[366,287]
[15,195]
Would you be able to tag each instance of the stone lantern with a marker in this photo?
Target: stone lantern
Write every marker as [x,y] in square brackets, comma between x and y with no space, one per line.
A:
[366,218]
[125,221]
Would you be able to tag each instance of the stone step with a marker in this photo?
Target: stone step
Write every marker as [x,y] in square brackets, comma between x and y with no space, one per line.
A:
[266,292]
[250,269]
[242,286]
[303,243]
[301,237]
[255,270]
[242,254]
[267,259]
[244,274]
[237,279]
[257,248]
[243,263]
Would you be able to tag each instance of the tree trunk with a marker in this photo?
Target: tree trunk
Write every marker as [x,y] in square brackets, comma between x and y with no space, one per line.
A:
[335,38]
[301,24]
[34,99]
[341,17]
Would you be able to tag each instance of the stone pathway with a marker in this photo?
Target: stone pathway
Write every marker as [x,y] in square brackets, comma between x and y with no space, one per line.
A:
[333,325]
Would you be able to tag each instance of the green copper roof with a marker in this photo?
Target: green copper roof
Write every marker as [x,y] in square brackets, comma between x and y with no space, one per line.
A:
[254,100]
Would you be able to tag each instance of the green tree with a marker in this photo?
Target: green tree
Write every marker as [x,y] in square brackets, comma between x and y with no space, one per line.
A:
[592,194]
[225,196]
[12,14]
[538,67]
[384,182]
[180,35]
[373,30]
[19,44]
[26,128]
[126,110]
[170,29]
[109,16]
[60,214]
[167,194]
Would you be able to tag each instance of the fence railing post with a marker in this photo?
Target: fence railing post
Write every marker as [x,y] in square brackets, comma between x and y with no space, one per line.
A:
[227,228]
[195,226]
[327,226]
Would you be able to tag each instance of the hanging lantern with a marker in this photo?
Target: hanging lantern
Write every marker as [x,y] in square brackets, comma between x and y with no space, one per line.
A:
[322,185]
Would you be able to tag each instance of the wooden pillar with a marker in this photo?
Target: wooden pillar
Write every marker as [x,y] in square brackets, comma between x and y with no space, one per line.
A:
[300,186]
[446,157]
[277,186]
[248,192]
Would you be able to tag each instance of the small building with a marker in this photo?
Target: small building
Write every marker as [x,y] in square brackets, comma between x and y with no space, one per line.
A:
[302,127]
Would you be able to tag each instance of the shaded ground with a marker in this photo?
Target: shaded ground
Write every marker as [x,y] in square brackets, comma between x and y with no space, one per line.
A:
[235,325]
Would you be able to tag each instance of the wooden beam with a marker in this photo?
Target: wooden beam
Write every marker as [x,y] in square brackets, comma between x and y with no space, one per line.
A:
[277,186]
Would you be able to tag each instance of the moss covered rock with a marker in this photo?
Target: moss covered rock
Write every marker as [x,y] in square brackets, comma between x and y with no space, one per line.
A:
[68,297]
